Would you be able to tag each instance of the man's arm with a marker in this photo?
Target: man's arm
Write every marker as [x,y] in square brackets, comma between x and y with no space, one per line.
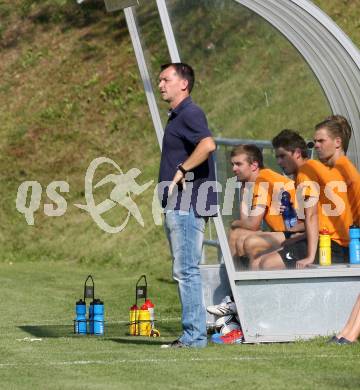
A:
[251,222]
[312,235]
[197,157]
[251,216]
[200,153]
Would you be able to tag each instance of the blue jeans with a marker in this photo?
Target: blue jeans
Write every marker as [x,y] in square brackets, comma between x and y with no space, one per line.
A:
[185,233]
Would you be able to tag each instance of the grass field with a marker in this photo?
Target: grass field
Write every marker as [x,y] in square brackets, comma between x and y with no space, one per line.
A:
[39,351]
[70,92]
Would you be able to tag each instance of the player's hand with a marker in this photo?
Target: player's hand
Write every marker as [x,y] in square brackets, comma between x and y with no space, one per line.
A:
[304,263]
[178,178]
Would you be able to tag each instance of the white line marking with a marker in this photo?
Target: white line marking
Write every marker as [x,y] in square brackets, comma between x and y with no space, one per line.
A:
[31,339]
[173,360]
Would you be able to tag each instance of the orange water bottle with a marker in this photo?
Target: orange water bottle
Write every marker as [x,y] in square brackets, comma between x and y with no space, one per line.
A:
[133,323]
[324,247]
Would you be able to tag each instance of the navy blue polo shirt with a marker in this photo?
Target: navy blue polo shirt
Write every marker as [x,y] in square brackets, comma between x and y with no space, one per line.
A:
[186,127]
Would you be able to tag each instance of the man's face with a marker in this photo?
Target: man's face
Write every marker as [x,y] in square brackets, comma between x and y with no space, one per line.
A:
[242,168]
[286,160]
[171,86]
[325,146]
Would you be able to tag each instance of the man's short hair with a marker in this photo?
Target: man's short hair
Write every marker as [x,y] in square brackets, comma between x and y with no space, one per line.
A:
[290,140]
[253,154]
[185,71]
[337,126]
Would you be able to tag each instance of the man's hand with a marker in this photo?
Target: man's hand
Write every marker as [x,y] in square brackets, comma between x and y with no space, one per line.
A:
[304,263]
[198,156]
[178,178]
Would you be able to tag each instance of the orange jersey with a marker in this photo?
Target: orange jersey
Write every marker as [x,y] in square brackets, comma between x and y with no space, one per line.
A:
[267,192]
[329,187]
[352,179]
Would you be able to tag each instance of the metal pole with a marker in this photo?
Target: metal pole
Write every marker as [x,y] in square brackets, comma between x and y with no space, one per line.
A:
[144,72]
[168,31]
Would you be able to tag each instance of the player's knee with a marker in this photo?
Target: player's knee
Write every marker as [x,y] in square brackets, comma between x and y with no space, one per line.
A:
[251,244]
[232,239]
[232,236]
[265,263]
[239,246]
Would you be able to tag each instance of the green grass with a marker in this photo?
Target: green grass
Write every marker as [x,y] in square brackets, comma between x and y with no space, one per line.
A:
[38,302]
[70,92]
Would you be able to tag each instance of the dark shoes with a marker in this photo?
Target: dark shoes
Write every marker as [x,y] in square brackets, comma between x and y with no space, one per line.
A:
[175,344]
[344,341]
[340,341]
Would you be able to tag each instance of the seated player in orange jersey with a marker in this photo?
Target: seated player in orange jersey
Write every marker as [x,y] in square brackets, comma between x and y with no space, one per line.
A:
[332,138]
[246,238]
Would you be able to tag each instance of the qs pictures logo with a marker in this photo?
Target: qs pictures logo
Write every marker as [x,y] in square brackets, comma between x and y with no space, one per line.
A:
[125,186]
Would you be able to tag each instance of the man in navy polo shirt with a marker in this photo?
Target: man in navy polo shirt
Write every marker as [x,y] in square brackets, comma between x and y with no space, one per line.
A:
[189,198]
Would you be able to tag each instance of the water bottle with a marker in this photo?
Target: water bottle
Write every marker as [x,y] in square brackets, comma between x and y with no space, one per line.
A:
[80,321]
[91,318]
[324,248]
[289,213]
[151,308]
[133,323]
[144,321]
[354,246]
[98,317]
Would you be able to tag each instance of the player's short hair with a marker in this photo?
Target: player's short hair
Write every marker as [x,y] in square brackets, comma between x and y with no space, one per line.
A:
[337,126]
[185,71]
[290,140]
[252,152]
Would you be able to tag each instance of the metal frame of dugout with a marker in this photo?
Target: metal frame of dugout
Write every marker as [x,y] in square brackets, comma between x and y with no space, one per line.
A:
[290,304]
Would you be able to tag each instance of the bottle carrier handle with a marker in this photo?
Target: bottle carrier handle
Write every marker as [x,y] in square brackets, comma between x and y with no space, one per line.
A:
[141,290]
[89,291]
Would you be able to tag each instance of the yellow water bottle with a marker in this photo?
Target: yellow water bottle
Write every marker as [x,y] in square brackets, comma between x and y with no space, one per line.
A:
[133,323]
[144,321]
[324,248]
